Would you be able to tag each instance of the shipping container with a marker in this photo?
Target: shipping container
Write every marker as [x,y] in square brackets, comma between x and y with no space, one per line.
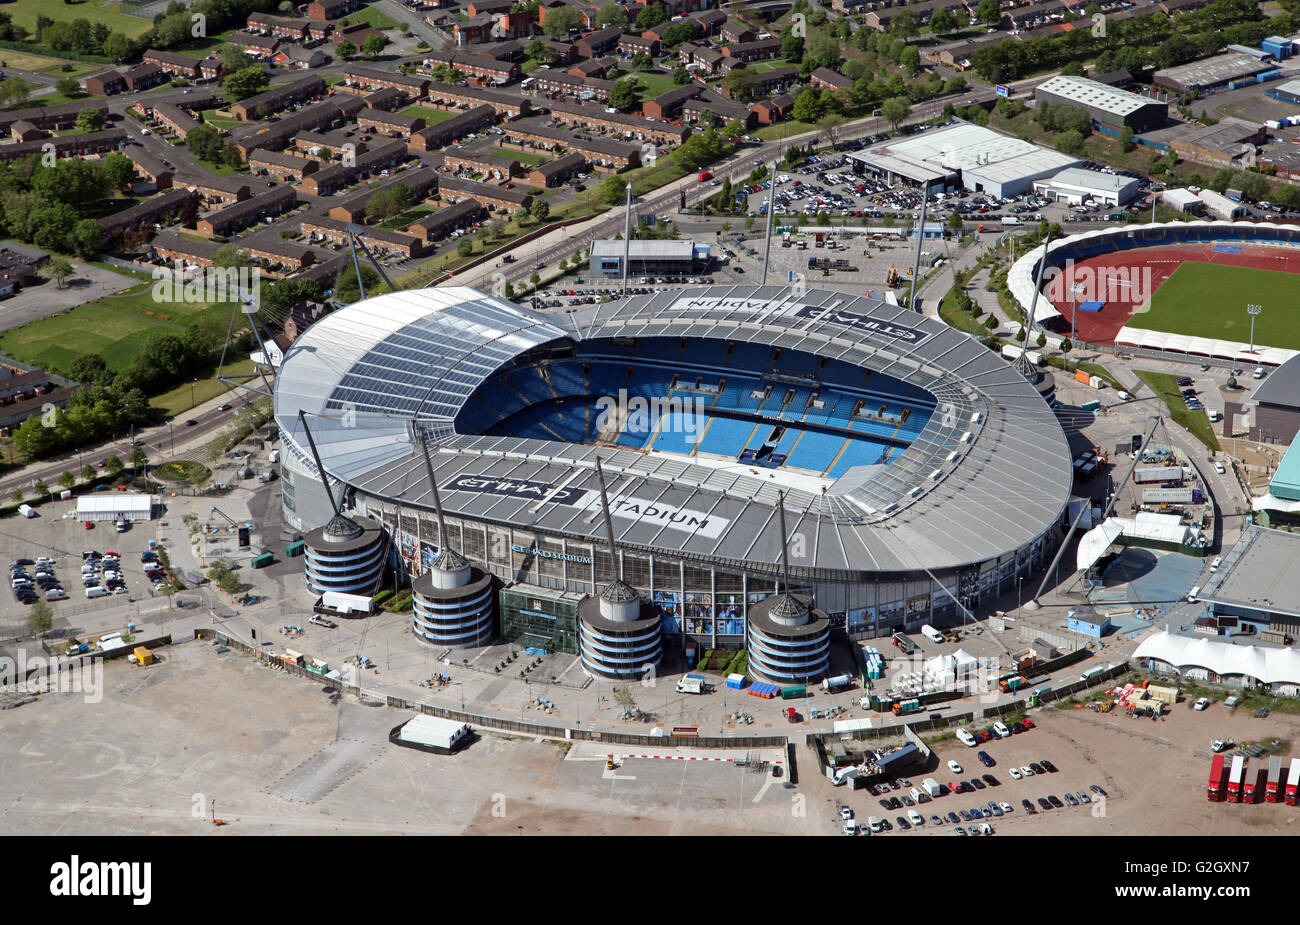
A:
[1081,376]
[1093,405]
[1292,783]
[293,550]
[263,560]
[1234,778]
[1007,685]
[900,758]
[791,693]
[1149,474]
[1096,382]
[143,656]
[1273,788]
[906,706]
[1167,496]
[1214,793]
[902,642]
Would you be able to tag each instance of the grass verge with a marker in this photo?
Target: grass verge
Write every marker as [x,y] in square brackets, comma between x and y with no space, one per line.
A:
[1196,422]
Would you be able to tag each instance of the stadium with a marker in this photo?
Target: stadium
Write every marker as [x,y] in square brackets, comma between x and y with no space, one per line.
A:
[1180,287]
[916,467]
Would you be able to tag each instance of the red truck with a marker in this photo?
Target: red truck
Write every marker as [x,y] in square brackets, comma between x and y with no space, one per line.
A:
[1273,787]
[1253,784]
[1234,778]
[1214,793]
[1292,783]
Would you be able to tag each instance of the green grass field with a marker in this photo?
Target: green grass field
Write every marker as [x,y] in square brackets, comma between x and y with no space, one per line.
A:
[1209,300]
[430,116]
[371,16]
[24,13]
[114,326]
[523,157]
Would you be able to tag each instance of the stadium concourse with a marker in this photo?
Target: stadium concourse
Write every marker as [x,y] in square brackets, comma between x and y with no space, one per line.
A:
[1104,284]
[915,467]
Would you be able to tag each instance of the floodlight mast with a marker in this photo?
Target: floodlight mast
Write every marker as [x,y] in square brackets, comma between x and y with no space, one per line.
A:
[614,562]
[1253,310]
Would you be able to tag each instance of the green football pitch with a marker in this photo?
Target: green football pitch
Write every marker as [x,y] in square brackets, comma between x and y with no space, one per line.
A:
[1209,300]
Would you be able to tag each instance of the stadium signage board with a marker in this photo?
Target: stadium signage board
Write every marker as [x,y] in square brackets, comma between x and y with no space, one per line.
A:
[850,319]
[517,488]
[674,518]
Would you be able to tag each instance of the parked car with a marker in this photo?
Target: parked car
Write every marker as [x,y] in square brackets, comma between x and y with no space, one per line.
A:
[1029,807]
[1055,801]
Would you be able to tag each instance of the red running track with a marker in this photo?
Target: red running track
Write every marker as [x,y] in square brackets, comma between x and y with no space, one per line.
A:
[1124,280]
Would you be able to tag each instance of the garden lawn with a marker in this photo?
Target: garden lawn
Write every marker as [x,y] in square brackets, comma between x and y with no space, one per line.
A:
[523,157]
[430,116]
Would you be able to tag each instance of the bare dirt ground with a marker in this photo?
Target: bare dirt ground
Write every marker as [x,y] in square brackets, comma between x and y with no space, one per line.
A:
[200,734]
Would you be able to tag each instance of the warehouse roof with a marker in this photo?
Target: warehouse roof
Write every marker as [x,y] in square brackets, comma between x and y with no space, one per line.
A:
[1093,93]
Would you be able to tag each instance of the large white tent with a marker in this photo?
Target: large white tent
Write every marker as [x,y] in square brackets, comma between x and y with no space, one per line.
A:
[1266,665]
[115,505]
[949,669]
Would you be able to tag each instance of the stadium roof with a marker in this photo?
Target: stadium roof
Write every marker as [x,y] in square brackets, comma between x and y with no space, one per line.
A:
[1282,387]
[988,474]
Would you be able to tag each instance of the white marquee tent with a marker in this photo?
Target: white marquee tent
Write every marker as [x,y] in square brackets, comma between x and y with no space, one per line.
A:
[1269,666]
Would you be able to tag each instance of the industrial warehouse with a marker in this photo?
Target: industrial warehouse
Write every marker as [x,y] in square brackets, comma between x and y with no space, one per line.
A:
[856,421]
[964,156]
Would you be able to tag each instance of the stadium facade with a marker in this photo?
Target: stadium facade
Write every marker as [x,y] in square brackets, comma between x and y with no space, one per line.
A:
[917,467]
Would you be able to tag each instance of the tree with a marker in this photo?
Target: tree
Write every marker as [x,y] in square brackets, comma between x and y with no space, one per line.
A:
[40,619]
[535,279]
[17,496]
[612,190]
[989,12]
[649,17]
[14,91]
[138,457]
[561,21]
[942,22]
[1070,142]
[231,58]
[345,49]
[910,60]
[1253,186]
[67,480]
[230,256]
[641,61]
[87,473]
[118,172]
[373,46]
[246,82]
[465,247]
[205,141]
[955,223]
[611,14]
[387,203]
[681,76]
[496,229]
[807,106]
[625,93]
[540,210]
[903,24]
[68,86]
[675,34]
[831,123]
[1126,139]
[1065,348]
[58,270]
[895,109]
[114,466]
[743,84]
[791,45]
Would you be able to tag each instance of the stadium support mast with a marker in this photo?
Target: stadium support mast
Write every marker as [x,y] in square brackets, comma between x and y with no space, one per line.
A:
[1022,361]
[916,266]
[614,562]
[354,233]
[771,207]
[627,238]
[315,454]
[437,499]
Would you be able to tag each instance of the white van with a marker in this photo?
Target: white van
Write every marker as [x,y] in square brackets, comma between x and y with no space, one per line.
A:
[932,634]
[1214,566]
[966,738]
[874,824]
[97,592]
[1001,729]
[1191,595]
[919,795]
[26,510]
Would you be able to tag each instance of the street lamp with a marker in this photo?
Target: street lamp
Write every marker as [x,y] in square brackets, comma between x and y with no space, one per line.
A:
[1020,588]
[192,382]
[1253,310]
